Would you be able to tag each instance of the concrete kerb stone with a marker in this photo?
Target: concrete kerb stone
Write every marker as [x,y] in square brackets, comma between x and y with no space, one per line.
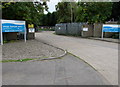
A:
[92,38]
[50,58]
[104,40]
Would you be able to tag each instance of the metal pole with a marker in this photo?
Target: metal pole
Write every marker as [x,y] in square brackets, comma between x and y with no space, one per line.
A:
[1,33]
[25,35]
[119,30]
[102,34]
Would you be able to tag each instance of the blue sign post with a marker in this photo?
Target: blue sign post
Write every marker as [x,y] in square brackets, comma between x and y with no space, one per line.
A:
[12,26]
[111,28]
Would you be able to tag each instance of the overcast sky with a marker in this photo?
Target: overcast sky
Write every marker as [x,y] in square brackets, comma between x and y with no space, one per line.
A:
[51,5]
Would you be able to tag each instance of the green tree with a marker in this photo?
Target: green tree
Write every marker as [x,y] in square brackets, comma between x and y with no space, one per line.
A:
[66,12]
[49,19]
[115,11]
[93,12]
[28,11]
[63,12]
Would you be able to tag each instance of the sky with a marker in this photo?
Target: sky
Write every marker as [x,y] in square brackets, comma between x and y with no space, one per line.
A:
[51,5]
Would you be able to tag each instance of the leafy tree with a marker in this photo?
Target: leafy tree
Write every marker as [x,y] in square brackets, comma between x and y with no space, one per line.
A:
[28,11]
[49,19]
[63,12]
[93,12]
[54,18]
[115,11]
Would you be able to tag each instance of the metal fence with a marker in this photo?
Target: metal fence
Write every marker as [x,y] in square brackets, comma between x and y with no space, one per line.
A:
[74,29]
[61,29]
[69,28]
[83,30]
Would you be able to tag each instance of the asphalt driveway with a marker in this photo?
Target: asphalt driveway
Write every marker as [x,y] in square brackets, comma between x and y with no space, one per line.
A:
[103,56]
[66,71]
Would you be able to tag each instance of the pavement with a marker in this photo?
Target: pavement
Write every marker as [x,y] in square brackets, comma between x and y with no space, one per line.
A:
[101,55]
[69,70]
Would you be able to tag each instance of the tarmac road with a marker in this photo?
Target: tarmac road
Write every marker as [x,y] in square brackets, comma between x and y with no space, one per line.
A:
[66,71]
[103,56]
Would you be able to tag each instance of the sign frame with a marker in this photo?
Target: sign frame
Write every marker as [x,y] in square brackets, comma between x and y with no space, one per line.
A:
[112,28]
[1,31]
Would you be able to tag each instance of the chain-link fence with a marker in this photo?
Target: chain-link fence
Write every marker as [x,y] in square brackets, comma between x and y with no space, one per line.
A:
[61,29]
[69,28]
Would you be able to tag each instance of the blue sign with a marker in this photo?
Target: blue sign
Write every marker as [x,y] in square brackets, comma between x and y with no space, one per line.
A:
[13,26]
[111,28]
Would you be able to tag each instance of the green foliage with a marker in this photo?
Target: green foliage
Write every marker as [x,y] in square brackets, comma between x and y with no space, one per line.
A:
[116,11]
[19,60]
[49,19]
[66,12]
[10,41]
[93,12]
[33,13]
[6,4]
[28,11]
[63,12]
[5,41]
[47,29]
[116,36]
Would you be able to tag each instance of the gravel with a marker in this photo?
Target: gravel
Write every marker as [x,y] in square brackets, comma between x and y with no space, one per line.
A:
[30,49]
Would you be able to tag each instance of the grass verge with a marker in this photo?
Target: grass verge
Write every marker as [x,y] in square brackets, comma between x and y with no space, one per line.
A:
[47,29]
[20,60]
[11,41]
[28,59]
